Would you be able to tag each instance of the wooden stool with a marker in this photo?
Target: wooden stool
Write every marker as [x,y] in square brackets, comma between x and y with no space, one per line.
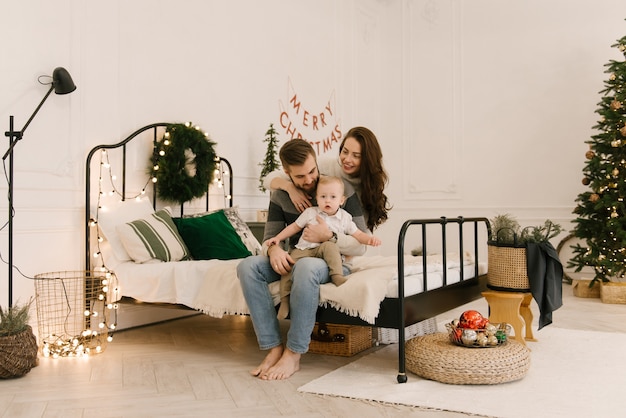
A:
[512,308]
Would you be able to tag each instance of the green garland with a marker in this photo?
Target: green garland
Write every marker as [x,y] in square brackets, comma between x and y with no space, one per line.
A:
[184,163]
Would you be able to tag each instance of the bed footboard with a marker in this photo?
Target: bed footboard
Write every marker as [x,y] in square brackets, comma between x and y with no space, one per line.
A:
[459,235]
[432,302]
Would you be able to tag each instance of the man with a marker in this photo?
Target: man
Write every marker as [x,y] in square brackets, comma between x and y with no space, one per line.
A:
[257,272]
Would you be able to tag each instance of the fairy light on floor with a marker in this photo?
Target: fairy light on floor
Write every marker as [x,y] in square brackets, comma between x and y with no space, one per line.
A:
[74,311]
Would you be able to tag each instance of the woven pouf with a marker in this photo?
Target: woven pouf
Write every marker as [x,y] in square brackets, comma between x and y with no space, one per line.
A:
[434,357]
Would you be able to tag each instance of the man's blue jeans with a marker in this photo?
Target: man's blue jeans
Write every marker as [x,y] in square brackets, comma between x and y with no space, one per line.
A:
[256,273]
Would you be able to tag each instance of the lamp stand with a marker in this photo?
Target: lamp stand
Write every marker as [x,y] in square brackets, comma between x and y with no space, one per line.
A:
[14,137]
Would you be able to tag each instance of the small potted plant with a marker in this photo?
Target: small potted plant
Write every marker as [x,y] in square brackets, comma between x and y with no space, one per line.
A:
[18,345]
[269,164]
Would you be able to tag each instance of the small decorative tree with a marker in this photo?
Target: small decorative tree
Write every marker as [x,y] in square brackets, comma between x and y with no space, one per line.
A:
[270,163]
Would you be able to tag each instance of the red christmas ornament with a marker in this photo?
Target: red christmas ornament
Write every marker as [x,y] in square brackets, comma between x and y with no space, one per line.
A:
[472,320]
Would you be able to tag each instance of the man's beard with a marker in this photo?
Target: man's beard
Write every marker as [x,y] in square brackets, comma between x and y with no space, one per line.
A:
[311,187]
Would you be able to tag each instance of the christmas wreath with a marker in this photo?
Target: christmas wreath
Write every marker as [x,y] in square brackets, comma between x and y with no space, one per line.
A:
[183,163]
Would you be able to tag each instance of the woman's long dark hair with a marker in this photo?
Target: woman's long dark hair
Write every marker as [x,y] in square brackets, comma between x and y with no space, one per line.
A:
[373,176]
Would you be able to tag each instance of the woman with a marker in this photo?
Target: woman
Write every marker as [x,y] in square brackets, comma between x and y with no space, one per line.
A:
[360,163]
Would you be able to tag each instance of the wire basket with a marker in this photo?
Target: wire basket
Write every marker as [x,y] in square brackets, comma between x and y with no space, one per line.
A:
[492,336]
[73,310]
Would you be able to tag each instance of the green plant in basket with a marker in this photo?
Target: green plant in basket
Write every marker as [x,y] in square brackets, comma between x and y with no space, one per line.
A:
[506,230]
[18,345]
[14,319]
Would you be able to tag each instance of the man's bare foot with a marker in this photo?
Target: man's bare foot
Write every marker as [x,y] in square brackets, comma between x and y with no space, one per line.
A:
[288,364]
[270,359]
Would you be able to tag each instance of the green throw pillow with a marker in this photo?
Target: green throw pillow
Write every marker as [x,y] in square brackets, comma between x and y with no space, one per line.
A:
[211,237]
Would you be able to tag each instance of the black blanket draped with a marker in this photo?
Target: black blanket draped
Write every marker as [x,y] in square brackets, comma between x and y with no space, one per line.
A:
[545,275]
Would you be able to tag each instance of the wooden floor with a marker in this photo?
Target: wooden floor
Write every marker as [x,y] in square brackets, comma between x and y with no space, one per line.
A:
[199,367]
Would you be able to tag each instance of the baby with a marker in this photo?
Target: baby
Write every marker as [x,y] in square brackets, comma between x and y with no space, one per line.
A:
[329,196]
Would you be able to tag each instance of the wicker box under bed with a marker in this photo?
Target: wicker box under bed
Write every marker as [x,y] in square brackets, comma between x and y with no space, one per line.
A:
[354,340]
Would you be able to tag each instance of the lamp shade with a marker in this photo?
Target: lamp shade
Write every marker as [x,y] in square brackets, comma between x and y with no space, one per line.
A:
[62,81]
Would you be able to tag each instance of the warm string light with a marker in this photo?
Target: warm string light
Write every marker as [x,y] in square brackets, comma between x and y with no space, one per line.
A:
[81,345]
[96,328]
[107,289]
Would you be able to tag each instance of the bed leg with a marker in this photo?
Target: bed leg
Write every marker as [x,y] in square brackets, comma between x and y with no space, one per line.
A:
[402,377]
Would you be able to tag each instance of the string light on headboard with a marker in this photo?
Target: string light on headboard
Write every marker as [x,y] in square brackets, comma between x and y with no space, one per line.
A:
[109,292]
[110,189]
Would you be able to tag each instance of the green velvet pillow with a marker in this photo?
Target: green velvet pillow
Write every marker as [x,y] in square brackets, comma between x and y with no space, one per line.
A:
[211,237]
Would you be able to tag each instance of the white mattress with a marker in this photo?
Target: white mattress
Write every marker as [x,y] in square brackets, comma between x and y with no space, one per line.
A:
[414,283]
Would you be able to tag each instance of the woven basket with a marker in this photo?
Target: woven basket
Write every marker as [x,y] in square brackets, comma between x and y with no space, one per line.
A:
[507,268]
[613,292]
[340,340]
[434,357]
[18,354]
[581,289]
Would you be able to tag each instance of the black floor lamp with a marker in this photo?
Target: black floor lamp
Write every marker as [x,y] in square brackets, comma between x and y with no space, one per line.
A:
[61,84]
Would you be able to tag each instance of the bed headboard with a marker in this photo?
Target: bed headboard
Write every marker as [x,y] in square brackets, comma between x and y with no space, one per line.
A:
[128,176]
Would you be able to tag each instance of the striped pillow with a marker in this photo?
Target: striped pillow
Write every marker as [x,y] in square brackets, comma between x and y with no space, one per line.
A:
[153,237]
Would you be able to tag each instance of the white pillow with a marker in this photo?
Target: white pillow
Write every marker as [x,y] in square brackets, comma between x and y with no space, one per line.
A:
[153,237]
[243,230]
[118,213]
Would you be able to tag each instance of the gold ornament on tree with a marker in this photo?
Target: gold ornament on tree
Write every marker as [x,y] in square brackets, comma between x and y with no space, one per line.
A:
[623,130]
[590,154]
[594,197]
[616,104]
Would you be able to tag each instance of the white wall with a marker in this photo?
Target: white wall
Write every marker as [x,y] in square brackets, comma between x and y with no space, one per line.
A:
[481,107]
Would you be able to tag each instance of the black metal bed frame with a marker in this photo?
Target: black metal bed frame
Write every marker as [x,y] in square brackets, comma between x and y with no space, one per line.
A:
[396,313]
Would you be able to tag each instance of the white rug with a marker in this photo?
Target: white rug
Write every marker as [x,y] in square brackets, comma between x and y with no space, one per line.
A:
[572,374]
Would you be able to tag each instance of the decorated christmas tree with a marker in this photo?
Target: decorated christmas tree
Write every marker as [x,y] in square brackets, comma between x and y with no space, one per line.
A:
[601,210]
[270,162]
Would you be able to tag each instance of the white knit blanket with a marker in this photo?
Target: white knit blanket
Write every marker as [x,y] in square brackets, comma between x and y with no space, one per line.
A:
[212,286]
[220,292]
